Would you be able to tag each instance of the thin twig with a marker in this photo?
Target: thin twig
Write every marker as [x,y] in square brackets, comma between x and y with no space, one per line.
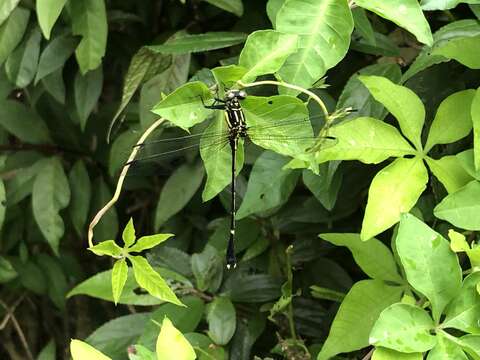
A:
[17,326]
[121,179]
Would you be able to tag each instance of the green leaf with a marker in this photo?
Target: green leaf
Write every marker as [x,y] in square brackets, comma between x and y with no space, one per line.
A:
[262,113]
[443,130]
[404,328]
[257,288]
[21,65]
[461,207]
[207,267]
[402,103]
[119,278]
[205,348]
[322,293]
[265,52]
[120,151]
[388,354]
[12,30]
[467,161]
[81,193]
[49,352]
[356,316]
[475,114]
[184,106]
[192,43]
[217,158]
[394,190]
[128,235]
[151,281]
[56,280]
[326,185]
[269,185]
[357,96]
[373,257]
[177,191]
[464,310]
[368,140]
[22,122]
[88,89]
[100,286]
[148,242]
[48,12]
[384,46]
[221,319]
[476,10]
[471,345]
[143,61]
[7,271]
[115,336]
[324,28]
[185,319]
[108,247]
[449,171]
[273,6]
[228,75]
[233,6]
[6,8]
[431,267]
[465,51]
[363,26]
[442,4]
[55,54]
[446,349]
[50,194]
[171,344]
[447,36]
[89,20]
[406,14]
[83,351]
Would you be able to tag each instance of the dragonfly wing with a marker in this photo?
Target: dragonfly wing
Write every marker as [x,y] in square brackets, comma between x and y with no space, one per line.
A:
[279,123]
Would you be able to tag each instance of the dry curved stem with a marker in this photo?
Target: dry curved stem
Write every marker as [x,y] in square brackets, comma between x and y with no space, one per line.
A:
[290,86]
[121,179]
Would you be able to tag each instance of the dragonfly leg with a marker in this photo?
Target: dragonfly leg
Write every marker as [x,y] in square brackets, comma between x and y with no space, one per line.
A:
[215,105]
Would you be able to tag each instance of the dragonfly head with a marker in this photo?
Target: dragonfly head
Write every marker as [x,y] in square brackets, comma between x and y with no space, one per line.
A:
[235,94]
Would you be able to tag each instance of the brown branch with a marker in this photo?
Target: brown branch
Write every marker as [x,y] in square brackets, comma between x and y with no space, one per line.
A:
[369,354]
[16,325]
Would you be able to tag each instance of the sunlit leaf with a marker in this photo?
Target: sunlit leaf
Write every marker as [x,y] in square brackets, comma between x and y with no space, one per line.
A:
[394,190]
[260,59]
[461,207]
[431,267]
[402,103]
[324,28]
[119,278]
[83,351]
[356,316]
[406,14]
[172,344]
[404,328]
[151,281]
[48,12]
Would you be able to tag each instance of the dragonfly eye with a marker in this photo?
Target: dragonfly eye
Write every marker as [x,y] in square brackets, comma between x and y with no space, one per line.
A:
[230,95]
[242,94]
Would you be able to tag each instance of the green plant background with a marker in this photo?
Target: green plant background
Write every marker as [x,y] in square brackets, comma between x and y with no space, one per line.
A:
[363,249]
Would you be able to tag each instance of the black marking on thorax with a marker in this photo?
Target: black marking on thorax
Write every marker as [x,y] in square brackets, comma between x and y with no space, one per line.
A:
[235,119]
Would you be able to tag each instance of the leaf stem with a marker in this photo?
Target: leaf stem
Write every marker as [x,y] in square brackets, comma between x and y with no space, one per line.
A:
[121,179]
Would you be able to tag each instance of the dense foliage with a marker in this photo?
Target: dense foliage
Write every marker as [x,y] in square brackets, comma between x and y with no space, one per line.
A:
[360,244]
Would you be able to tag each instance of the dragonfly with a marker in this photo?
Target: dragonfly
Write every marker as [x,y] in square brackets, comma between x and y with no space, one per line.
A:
[274,136]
